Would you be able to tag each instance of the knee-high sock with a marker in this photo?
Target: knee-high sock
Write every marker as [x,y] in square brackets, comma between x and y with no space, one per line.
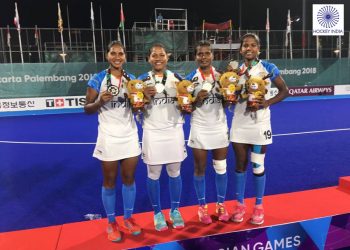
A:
[175,188]
[154,194]
[221,186]
[240,180]
[108,200]
[129,193]
[259,187]
[199,186]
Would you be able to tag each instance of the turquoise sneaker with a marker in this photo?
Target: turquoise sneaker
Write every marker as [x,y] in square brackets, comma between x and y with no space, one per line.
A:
[159,222]
[176,219]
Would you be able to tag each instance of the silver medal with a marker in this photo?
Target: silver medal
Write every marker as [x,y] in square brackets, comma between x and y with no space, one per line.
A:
[114,90]
[207,86]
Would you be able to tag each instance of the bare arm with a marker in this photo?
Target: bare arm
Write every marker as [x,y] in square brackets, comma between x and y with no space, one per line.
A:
[94,101]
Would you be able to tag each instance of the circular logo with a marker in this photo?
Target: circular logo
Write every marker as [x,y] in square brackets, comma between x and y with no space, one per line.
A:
[328,17]
[114,90]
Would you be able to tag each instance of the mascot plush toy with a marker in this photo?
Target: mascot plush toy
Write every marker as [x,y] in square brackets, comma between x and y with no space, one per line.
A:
[229,87]
[184,96]
[255,87]
[136,95]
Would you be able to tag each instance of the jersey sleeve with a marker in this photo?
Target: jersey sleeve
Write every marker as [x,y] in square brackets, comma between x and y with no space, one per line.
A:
[191,75]
[143,76]
[272,69]
[177,76]
[96,81]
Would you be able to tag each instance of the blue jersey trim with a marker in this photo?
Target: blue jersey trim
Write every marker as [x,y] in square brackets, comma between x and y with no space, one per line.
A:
[96,81]
[191,75]
[271,68]
[143,76]
[178,76]
[132,77]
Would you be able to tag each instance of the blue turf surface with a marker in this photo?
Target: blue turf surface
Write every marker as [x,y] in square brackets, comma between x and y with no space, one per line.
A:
[49,184]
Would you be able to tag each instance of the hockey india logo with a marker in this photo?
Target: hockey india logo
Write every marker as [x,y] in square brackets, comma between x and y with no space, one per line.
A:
[328,16]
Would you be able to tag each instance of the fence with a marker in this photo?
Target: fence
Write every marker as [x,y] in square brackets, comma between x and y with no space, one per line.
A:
[78,43]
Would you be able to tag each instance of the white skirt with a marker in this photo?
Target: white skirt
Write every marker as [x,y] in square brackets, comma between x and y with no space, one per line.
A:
[254,134]
[208,138]
[162,146]
[116,148]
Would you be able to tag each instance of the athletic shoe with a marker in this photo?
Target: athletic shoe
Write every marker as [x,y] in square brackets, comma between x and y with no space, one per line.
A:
[113,232]
[222,212]
[203,214]
[238,213]
[258,215]
[130,226]
[159,222]
[176,219]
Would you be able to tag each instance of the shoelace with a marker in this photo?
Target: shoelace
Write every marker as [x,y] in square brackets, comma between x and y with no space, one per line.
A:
[176,214]
[205,210]
[112,228]
[129,223]
[258,213]
[159,218]
[239,209]
[222,209]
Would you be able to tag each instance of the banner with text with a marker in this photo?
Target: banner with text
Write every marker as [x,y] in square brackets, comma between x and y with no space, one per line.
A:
[50,79]
[57,80]
[322,233]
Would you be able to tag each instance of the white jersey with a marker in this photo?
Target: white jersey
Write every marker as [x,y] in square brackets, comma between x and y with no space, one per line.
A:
[253,127]
[115,117]
[211,113]
[162,111]
[208,121]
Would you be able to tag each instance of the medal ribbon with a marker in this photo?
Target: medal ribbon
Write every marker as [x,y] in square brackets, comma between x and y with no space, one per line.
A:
[163,79]
[211,73]
[109,81]
[249,67]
